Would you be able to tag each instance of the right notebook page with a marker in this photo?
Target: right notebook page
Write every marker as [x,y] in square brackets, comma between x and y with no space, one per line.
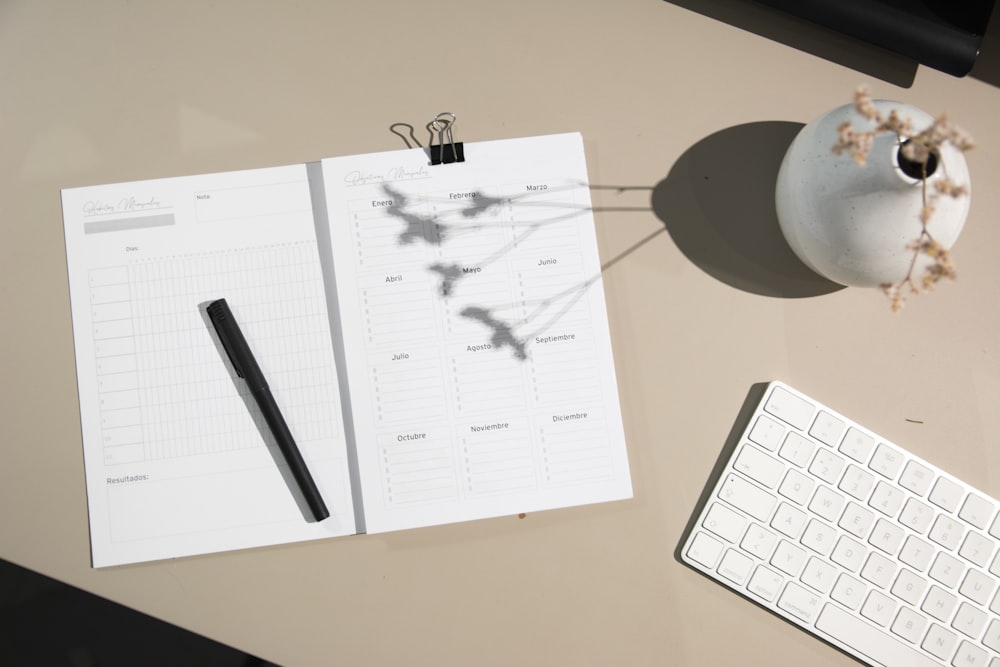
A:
[475,332]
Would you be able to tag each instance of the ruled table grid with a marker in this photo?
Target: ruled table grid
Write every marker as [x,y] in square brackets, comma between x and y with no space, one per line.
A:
[164,389]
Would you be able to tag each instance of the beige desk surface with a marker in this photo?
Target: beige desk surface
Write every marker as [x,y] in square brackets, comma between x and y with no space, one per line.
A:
[689,112]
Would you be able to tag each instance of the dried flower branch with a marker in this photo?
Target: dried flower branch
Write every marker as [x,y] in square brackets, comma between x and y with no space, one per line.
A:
[922,150]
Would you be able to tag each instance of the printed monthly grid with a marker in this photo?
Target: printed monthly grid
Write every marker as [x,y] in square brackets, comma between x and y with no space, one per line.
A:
[477,346]
[116,365]
[162,392]
[516,255]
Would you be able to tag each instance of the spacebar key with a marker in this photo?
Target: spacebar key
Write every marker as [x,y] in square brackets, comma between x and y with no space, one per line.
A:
[884,649]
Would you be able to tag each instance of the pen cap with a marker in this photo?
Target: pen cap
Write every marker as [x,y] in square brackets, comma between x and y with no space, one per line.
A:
[235,344]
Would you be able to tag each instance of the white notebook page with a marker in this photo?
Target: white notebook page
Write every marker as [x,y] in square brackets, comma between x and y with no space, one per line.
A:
[476,336]
[175,450]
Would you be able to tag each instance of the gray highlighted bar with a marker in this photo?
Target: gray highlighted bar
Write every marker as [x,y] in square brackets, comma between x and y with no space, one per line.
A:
[128,223]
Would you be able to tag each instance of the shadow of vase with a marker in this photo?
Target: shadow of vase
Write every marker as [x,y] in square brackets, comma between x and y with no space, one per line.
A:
[717,203]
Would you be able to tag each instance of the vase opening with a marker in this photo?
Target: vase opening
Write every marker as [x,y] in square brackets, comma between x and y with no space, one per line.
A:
[915,169]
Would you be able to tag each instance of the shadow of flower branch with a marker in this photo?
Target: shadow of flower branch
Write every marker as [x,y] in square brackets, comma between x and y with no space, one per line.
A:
[716,203]
[442,227]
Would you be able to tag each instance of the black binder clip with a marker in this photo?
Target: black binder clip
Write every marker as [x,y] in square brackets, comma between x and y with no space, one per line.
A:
[447,149]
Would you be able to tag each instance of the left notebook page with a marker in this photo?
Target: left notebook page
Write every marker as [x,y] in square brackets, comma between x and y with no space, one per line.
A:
[178,458]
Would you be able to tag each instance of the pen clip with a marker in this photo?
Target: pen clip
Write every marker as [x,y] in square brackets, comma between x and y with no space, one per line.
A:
[218,311]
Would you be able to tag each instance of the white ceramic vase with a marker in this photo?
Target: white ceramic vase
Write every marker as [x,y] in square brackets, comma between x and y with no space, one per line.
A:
[853,224]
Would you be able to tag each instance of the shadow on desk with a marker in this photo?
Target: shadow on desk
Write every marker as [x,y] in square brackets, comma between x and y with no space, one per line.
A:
[43,622]
[869,59]
[987,67]
[803,35]
[717,203]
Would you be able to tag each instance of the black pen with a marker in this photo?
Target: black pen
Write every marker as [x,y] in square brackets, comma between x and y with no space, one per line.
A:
[246,367]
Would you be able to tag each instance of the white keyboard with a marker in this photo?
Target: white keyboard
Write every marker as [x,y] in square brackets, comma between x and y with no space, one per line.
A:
[853,539]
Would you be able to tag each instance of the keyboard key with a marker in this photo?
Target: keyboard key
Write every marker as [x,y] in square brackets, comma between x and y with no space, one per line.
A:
[977,549]
[992,636]
[800,603]
[849,554]
[743,495]
[827,428]
[916,553]
[819,575]
[940,642]
[887,499]
[789,408]
[969,620]
[724,522]
[856,482]
[759,541]
[879,570]
[916,477]
[797,487]
[970,655]
[916,515]
[886,461]
[946,494]
[939,603]
[767,433]
[789,558]
[827,466]
[995,566]
[886,537]
[827,503]
[857,445]
[947,532]
[977,587]
[758,466]
[789,520]
[879,608]
[856,520]
[995,527]
[819,537]
[909,625]
[797,449]
[765,583]
[849,592]
[977,510]
[947,570]
[869,641]
[909,587]
[735,566]
[705,550]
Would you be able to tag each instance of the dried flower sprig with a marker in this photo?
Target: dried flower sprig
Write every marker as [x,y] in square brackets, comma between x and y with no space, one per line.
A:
[921,149]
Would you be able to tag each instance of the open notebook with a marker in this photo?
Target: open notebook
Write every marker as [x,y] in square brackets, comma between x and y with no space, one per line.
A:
[436,337]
